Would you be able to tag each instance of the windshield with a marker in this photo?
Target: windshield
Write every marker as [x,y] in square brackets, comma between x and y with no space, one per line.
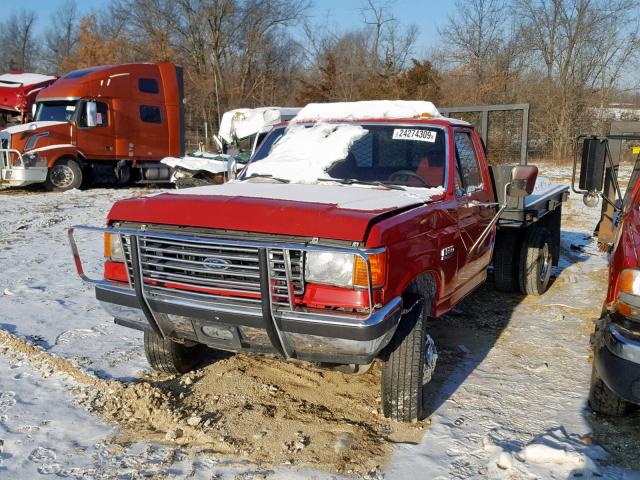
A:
[391,154]
[264,147]
[55,111]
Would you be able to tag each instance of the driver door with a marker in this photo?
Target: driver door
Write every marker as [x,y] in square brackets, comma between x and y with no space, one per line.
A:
[97,141]
[473,189]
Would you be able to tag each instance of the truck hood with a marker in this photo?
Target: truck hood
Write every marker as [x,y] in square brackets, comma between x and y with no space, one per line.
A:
[28,126]
[338,212]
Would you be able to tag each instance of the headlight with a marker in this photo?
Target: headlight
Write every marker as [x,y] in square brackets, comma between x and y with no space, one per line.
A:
[329,268]
[344,269]
[113,250]
[628,303]
[30,159]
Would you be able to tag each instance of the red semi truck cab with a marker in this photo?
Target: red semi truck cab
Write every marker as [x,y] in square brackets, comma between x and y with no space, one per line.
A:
[334,246]
[102,124]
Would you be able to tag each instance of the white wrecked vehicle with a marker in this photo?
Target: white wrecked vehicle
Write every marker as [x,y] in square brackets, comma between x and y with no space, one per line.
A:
[241,131]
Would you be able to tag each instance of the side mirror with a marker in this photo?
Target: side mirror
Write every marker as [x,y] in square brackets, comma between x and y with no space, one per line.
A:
[91,109]
[232,168]
[33,111]
[523,180]
[594,151]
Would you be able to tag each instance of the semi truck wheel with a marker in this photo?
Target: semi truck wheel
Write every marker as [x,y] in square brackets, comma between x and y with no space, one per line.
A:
[603,400]
[535,261]
[66,174]
[167,356]
[506,260]
[408,364]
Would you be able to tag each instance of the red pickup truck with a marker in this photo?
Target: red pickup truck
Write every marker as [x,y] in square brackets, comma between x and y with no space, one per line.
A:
[334,246]
[615,379]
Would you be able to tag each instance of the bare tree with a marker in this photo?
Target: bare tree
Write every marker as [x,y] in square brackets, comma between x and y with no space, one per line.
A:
[17,41]
[583,46]
[61,37]
[475,34]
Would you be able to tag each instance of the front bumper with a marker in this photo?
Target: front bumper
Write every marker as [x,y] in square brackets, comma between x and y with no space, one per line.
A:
[235,327]
[20,176]
[617,361]
[15,172]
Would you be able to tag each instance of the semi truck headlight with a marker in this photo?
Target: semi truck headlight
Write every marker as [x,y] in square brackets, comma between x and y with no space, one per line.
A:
[113,250]
[344,269]
[629,293]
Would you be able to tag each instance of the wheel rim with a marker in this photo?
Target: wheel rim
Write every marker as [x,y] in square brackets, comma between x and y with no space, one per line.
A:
[430,359]
[546,262]
[61,176]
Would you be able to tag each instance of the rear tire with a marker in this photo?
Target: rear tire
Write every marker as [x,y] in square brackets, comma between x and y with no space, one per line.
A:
[66,174]
[535,261]
[603,400]
[506,260]
[167,356]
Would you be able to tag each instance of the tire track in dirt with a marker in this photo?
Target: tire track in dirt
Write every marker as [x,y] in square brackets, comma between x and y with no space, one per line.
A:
[254,409]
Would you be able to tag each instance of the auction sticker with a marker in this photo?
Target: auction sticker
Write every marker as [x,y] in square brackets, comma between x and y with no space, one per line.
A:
[414,134]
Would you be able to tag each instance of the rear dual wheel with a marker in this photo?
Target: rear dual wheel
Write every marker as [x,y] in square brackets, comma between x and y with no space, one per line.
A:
[523,262]
[535,261]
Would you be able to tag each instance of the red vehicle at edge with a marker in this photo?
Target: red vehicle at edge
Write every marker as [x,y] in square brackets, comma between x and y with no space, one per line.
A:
[615,380]
[341,268]
[18,91]
[106,124]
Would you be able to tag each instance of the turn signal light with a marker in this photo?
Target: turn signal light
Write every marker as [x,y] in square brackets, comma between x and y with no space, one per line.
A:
[629,281]
[378,265]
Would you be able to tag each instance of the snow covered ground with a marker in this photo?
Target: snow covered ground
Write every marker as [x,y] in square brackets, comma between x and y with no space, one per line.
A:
[508,399]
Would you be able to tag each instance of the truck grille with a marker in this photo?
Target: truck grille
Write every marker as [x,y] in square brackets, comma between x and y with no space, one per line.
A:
[216,269]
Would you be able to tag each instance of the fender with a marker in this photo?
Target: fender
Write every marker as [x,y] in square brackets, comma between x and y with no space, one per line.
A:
[58,151]
[415,240]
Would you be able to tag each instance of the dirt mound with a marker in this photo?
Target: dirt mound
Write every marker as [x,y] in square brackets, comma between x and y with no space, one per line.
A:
[253,409]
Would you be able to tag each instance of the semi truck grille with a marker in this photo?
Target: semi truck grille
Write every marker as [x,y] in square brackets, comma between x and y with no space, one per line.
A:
[209,268]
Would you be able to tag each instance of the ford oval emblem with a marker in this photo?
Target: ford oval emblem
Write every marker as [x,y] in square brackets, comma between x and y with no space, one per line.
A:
[212,263]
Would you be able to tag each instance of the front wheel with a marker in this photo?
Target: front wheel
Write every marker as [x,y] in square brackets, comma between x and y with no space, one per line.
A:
[408,363]
[603,400]
[167,356]
[66,174]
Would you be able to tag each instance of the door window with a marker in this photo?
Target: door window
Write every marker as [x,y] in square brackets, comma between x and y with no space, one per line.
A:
[102,115]
[467,163]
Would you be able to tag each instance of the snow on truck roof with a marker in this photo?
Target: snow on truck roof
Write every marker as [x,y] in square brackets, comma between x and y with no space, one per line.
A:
[371,109]
[16,80]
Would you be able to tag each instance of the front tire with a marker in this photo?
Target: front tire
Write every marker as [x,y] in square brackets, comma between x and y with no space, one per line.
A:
[408,363]
[535,261]
[603,400]
[166,356]
[66,174]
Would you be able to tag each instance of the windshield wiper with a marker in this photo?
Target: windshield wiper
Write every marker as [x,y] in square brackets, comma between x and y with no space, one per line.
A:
[353,181]
[266,175]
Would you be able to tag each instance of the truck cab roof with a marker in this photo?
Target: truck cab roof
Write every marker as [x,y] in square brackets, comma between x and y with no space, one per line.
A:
[105,80]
